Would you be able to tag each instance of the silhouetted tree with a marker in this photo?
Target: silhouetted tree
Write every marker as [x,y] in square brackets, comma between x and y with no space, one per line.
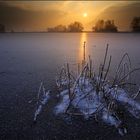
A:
[110,26]
[58,28]
[135,24]
[50,29]
[2,28]
[99,26]
[75,27]
[12,31]
[105,26]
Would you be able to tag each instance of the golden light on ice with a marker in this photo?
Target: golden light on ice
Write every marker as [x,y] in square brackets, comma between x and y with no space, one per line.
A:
[85,15]
[83,38]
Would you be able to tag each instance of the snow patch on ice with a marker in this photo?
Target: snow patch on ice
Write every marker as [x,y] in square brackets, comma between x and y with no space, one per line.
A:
[45,97]
[63,105]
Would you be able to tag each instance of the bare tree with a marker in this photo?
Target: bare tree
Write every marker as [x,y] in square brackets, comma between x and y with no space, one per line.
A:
[105,26]
[135,24]
[75,27]
[2,28]
[58,28]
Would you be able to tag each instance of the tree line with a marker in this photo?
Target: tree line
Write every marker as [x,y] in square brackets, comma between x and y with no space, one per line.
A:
[73,27]
[100,26]
[105,26]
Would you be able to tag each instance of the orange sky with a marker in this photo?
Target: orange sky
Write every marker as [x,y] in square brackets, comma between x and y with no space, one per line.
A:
[40,15]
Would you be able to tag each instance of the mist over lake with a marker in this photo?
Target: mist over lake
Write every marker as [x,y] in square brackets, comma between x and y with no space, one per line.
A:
[26,59]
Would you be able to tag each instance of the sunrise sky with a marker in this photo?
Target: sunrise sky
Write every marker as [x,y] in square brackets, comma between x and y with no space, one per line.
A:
[39,15]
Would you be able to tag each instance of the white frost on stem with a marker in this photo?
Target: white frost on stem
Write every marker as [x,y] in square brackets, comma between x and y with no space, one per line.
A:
[43,97]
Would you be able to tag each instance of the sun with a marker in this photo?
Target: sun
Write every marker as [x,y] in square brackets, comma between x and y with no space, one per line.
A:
[84,14]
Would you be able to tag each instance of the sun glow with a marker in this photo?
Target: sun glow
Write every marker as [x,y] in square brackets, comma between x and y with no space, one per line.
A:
[85,15]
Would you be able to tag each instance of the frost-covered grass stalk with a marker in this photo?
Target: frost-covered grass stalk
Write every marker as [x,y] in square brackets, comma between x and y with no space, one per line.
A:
[42,98]
[93,94]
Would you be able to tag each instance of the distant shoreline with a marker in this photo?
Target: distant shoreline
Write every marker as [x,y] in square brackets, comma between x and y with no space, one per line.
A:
[71,32]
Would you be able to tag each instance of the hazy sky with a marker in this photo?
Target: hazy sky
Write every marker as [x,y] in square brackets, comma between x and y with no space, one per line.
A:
[35,15]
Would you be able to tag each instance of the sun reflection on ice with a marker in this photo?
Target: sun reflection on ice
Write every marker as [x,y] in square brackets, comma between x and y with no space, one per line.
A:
[83,39]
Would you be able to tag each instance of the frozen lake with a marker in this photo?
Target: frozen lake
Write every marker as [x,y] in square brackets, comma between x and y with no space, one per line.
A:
[29,58]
